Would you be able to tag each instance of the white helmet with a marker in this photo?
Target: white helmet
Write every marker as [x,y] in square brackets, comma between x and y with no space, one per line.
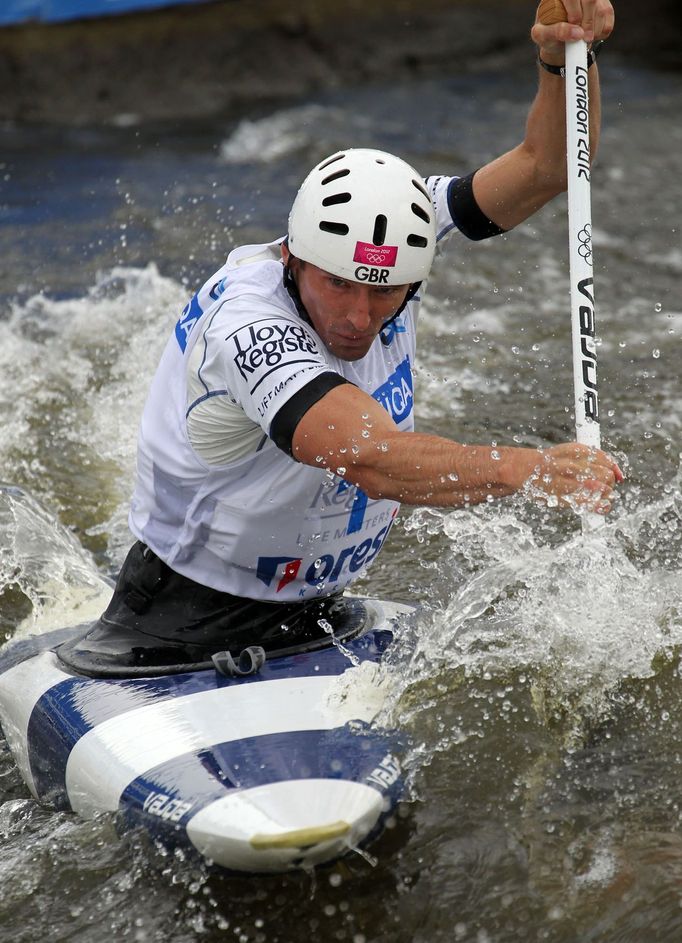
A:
[366,216]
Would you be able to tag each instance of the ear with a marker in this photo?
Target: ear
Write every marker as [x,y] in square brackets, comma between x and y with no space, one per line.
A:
[285,253]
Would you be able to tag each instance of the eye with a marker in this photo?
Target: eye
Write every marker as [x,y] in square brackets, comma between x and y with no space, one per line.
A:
[336,282]
[390,290]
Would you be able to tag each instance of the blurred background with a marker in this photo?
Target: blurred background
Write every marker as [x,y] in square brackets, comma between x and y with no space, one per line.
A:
[83,61]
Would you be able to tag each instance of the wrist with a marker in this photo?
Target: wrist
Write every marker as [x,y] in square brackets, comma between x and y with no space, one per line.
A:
[517,466]
[555,57]
[553,61]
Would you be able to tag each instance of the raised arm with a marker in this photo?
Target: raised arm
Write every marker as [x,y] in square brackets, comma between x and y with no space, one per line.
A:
[517,184]
[351,434]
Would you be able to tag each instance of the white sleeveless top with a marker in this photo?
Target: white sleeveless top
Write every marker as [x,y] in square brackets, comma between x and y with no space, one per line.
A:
[261,525]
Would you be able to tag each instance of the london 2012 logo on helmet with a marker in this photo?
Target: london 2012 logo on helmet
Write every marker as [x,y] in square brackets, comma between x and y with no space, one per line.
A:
[370,254]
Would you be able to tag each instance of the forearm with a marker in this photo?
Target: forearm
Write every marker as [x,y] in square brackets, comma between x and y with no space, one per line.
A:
[516,185]
[520,182]
[420,469]
[546,128]
[351,435]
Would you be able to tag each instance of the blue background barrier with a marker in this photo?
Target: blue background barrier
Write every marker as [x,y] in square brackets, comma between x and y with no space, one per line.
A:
[54,11]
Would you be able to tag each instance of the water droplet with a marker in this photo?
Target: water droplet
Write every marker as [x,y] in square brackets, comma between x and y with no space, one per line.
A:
[658,307]
[495,455]
[515,350]
[655,353]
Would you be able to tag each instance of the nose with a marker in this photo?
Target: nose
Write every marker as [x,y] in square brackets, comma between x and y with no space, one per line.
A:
[360,315]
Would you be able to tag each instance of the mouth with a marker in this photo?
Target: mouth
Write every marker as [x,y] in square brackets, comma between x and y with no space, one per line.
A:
[355,338]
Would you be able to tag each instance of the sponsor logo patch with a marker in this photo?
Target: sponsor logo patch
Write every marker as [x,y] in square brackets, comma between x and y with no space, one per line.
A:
[166,807]
[268,344]
[368,254]
[189,317]
[386,773]
[396,395]
[328,568]
[388,333]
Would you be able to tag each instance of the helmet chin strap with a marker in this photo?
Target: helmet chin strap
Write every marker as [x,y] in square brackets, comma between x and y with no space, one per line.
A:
[289,283]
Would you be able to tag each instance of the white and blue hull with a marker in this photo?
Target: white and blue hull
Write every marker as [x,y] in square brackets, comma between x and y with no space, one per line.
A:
[278,770]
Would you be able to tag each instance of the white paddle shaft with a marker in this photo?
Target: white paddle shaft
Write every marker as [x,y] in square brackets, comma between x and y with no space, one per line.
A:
[580,240]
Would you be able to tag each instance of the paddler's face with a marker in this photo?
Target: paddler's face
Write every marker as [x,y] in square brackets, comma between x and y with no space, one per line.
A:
[346,315]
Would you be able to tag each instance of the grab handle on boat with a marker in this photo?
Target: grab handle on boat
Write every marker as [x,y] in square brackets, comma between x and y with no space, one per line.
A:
[250,661]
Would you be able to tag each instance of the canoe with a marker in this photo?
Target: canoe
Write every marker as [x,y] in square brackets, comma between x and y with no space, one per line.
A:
[280,769]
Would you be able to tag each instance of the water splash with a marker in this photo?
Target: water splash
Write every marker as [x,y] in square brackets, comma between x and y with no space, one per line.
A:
[47,566]
[578,616]
[328,628]
[271,138]
[71,441]
[285,132]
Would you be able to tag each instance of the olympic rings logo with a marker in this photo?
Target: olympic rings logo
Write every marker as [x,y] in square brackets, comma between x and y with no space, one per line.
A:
[375,258]
[585,240]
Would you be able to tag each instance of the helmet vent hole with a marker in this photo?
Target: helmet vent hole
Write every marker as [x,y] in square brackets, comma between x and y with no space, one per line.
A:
[332,160]
[336,199]
[417,242]
[421,212]
[379,161]
[422,189]
[338,229]
[335,176]
[379,236]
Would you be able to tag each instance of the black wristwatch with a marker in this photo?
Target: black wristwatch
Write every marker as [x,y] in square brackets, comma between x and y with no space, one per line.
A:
[592,54]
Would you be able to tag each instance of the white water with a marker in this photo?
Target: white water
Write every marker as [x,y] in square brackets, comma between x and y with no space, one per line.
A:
[578,607]
[532,636]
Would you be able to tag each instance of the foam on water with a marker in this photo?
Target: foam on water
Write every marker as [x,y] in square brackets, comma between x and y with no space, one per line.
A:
[47,565]
[268,139]
[70,439]
[516,837]
[580,615]
[581,608]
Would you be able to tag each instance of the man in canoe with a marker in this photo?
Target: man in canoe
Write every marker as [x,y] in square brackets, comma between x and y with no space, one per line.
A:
[278,441]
